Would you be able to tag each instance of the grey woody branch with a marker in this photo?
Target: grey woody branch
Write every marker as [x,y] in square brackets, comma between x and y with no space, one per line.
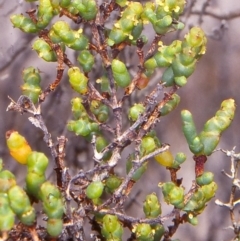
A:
[217,14]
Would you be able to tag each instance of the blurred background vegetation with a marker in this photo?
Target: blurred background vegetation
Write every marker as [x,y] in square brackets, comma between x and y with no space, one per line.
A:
[216,78]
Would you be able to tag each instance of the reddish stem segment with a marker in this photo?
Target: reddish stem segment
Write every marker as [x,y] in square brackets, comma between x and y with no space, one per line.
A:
[199,166]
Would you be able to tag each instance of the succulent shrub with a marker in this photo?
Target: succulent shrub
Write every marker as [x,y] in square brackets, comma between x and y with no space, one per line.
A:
[99,114]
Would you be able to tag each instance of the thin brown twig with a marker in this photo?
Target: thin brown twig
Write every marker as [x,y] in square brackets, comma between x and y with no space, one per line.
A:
[76,18]
[60,58]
